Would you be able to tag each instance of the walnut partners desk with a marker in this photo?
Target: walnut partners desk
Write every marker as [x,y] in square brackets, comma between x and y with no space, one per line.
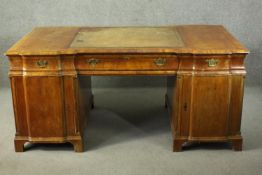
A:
[50,71]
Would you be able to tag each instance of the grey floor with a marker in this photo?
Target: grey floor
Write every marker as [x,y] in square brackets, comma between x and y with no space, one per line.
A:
[129,133]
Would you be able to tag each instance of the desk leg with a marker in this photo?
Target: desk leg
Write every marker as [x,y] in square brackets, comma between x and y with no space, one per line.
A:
[166,101]
[237,144]
[19,145]
[92,101]
[78,145]
[177,144]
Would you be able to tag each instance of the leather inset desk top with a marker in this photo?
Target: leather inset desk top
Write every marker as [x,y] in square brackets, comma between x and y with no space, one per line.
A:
[129,37]
[185,39]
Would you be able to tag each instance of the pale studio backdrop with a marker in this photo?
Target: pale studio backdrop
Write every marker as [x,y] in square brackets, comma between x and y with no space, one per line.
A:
[241,17]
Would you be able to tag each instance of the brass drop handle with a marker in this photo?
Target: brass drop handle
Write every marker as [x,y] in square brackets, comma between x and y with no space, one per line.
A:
[42,63]
[160,61]
[93,62]
[212,62]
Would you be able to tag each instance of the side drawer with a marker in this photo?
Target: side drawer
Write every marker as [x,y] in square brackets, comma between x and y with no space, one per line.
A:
[205,62]
[212,62]
[126,62]
[41,63]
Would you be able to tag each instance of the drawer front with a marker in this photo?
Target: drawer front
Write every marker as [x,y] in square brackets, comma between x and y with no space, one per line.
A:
[41,63]
[211,63]
[126,62]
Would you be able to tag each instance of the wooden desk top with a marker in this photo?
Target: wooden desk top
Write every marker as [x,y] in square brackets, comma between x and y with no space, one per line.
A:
[188,39]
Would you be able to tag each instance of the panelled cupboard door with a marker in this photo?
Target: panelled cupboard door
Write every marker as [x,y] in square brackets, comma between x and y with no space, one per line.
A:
[44,106]
[210,107]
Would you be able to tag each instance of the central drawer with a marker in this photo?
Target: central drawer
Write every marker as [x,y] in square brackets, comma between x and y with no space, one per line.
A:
[126,62]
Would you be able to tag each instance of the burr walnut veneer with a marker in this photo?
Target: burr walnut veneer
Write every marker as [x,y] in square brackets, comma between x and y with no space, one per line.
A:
[50,71]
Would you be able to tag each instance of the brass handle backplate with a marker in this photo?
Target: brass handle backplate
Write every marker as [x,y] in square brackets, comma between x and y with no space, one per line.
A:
[93,62]
[212,62]
[160,61]
[42,63]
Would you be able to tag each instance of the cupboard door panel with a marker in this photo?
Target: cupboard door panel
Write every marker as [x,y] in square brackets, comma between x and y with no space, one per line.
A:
[44,104]
[210,106]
